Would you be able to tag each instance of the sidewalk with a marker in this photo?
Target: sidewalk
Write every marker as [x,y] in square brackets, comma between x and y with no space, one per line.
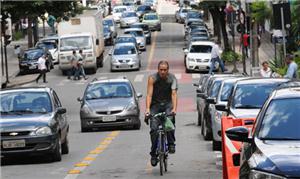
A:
[13,63]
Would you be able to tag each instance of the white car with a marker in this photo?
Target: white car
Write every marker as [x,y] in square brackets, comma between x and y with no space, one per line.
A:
[117,12]
[50,43]
[138,33]
[128,18]
[198,56]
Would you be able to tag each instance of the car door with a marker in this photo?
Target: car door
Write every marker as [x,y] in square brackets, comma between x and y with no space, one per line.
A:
[61,118]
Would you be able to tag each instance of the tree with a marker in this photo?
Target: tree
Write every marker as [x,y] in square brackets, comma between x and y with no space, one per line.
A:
[260,12]
[295,31]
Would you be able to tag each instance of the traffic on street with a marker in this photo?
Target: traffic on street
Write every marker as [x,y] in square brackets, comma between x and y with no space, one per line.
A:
[146,89]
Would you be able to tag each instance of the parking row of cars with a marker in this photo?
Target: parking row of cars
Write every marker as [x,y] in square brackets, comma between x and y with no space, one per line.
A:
[245,118]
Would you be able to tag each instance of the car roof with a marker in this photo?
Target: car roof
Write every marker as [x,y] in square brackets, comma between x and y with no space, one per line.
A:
[262,80]
[285,93]
[126,35]
[151,13]
[125,44]
[76,34]
[233,80]
[34,49]
[26,89]
[133,29]
[113,80]
[202,43]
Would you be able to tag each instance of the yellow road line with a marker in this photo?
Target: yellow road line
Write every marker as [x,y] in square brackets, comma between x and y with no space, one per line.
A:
[152,50]
[79,167]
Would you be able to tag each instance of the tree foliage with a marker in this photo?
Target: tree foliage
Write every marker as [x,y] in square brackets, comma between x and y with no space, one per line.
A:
[260,11]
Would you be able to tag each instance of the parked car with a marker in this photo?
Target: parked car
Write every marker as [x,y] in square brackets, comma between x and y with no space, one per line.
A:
[271,148]
[112,25]
[198,56]
[50,43]
[110,103]
[153,21]
[33,121]
[143,9]
[138,33]
[29,60]
[117,12]
[146,30]
[108,36]
[128,18]
[125,56]
[180,15]
[244,104]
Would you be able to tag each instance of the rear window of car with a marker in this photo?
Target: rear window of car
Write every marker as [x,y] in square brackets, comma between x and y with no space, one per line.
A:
[124,50]
[129,14]
[215,89]
[281,120]
[108,90]
[25,102]
[151,17]
[125,40]
[226,90]
[136,33]
[200,49]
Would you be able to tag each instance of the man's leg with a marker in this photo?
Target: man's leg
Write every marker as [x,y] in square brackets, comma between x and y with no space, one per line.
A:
[37,79]
[154,135]
[171,134]
[212,66]
[44,76]
[221,64]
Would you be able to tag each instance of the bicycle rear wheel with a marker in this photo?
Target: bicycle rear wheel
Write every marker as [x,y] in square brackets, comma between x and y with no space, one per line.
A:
[161,154]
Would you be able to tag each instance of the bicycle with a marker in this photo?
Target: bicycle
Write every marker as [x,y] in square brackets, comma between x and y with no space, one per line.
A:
[162,142]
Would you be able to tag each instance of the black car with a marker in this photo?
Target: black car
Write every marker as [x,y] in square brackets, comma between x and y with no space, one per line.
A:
[33,121]
[272,148]
[146,30]
[29,60]
[108,36]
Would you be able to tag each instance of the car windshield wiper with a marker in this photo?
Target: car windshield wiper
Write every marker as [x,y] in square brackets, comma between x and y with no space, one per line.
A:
[247,107]
[19,112]
[278,138]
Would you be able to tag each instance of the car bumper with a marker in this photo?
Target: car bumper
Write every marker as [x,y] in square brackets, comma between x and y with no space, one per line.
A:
[28,67]
[194,66]
[121,121]
[155,27]
[127,24]
[33,145]
[125,66]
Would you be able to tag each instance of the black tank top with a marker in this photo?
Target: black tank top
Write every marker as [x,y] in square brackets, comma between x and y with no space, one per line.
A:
[162,89]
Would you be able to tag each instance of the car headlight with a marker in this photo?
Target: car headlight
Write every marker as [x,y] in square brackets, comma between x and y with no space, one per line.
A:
[113,60]
[191,60]
[42,131]
[85,109]
[131,107]
[254,174]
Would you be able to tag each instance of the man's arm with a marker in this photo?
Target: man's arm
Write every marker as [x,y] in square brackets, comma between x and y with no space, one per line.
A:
[149,94]
[174,100]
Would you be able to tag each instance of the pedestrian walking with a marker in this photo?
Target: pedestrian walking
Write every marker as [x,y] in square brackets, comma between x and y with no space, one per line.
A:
[266,71]
[73,63]
[42,68]
[80,64]
[292,71]
[216,57]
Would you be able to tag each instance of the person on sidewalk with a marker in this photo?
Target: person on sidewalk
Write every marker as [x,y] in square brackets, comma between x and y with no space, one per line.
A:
[216,57]
[42,68]
[266,71]
[292,71]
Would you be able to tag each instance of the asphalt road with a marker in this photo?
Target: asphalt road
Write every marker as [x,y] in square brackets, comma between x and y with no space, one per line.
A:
[124,153]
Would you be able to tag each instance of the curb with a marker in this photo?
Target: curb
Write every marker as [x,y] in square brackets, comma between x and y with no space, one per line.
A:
[13,76]
[18,84]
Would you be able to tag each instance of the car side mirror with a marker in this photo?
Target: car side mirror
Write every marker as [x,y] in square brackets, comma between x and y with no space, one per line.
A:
[221,107]
[185,50]
[61,110]
[202,95]
[239,133]
[198,90]
[139,95]
[97,41]
[211,100]
[79,99]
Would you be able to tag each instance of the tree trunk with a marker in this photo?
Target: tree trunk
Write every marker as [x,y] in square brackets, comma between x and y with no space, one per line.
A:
[29,32]
[255,57]
[216,23]
[36,30]
[224,31]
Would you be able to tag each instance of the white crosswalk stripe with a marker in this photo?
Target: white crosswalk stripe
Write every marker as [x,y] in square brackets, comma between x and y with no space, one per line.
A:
[139,78]
[195,76]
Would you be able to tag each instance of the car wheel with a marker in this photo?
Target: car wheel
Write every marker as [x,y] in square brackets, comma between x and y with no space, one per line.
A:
[65,146]
[216,145]
[187,70]
[56,155]
[206,134]
[137,126]
[84,129]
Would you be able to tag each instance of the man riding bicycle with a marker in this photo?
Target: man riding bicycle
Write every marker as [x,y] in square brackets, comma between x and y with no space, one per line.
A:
[161,97]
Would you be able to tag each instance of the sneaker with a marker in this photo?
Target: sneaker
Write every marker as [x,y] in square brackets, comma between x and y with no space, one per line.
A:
[154,161]
[171,149]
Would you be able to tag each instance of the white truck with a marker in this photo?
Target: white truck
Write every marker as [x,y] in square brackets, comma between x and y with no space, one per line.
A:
[84,32]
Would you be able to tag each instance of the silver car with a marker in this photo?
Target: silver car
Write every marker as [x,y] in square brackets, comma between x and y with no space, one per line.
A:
[112,25]
[138,33]
[128,18]
[125,56]
[110,103]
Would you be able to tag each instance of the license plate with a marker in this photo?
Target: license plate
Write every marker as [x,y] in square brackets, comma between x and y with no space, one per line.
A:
[124,66]
[32,67]
[13,144]
[109,118]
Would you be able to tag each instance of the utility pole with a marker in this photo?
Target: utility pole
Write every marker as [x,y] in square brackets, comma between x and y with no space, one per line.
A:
[283,32]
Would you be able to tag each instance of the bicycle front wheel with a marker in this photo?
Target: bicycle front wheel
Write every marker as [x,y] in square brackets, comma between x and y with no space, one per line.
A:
[161,154]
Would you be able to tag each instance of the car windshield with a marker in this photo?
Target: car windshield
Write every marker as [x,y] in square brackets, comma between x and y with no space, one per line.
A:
[75,43]
[151,17]
[194,15]
[25,103]
[200,49]
[108,22]
[135,33]
[252,95]
[125,40]
[200,38]
[226,90]
[33,54]
[120,10]
[184,10]
[108,90]
[129,14]
[215,89]
[281,120]
[124,50]
[47,45]
[143,8]
[106,30]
